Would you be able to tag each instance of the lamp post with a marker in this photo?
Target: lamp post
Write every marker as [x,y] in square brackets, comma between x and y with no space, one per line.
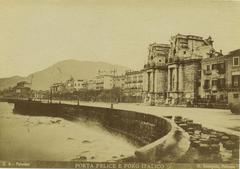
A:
[51,95]
[113,86]
[60,94]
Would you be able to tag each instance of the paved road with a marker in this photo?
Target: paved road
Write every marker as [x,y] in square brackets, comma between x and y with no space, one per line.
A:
[218,119]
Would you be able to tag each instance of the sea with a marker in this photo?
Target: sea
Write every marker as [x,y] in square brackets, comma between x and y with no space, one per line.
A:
[41,138]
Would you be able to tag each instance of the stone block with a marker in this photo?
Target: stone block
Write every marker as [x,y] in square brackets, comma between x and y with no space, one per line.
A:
[189,121]
[213,133]
[234,138]
[198,132]
[235,153]
[168,117]
[229,145]
[214,136]
[205,130]
[195,144]
[235,108]
[183,126]
[190,129]
[224,138]
[196,126]
[191,133]
[214,141]
[204,140]
[197,136]
[177,118]
[204,148]
[215,148]
[178,122]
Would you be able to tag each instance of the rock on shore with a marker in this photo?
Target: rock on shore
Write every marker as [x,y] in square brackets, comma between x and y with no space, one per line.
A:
[235,108]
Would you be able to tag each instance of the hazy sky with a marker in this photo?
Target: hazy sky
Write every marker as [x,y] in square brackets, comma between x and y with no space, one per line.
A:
[35,34]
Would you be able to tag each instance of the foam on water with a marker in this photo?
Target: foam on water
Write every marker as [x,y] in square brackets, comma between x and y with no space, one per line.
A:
[56,139]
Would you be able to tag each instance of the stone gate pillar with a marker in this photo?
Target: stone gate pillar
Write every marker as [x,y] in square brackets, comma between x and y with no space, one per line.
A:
[175,78]
[180,78]
[169,80]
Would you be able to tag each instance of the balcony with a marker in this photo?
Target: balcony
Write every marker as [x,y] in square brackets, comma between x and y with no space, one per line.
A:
[215,72]
[214,88]
[206,87]
[100,82]
[184,45]
[160,65]
[207,72]
[134,81]
[233,88]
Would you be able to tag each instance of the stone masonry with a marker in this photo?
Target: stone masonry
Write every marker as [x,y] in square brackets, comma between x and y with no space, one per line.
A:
[173,72]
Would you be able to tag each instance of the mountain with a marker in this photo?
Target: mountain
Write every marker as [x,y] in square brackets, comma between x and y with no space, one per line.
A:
[10,81]
[62,71]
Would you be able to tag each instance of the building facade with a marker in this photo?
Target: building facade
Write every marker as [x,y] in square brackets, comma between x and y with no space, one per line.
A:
[184,67]
[172,74]
[57,88]
[23,89]
[133,84]
[79,84]
[69,85]
[233,76]
[91,84]
[104,80]
[119,81]
[220,81]
[155,74]
[214,79]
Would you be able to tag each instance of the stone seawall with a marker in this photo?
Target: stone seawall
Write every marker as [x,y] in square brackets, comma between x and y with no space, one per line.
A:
[160,138]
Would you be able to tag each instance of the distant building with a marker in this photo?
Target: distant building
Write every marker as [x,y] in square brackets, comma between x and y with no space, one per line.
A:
[23,89]
[91,84]
[40,94]
[134,84]
[79,84]
[57,88]
[69,85]
[105,80]
[119,81]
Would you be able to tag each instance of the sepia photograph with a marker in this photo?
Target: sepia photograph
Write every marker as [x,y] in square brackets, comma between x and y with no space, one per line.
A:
[120,84]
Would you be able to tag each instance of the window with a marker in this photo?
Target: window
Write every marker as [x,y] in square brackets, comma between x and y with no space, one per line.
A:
[236,80]
[184,52]
[214,82]
[214,66]
[236,61]
[208,67]
[222,83]
[221,97]
[235,96]
[206,84]
[221,68]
